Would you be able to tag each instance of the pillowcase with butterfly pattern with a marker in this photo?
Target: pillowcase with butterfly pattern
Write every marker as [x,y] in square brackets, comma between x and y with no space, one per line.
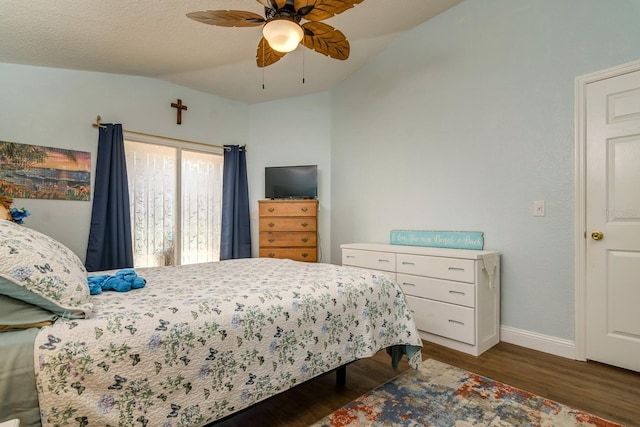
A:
[41,271]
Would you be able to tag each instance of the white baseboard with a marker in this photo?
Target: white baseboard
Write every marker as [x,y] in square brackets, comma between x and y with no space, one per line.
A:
[545,343]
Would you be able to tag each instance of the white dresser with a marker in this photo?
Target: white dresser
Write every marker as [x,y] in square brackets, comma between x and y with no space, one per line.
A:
[454,294]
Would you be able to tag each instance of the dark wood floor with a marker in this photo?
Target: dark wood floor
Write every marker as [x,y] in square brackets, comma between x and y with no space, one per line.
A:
[606,391]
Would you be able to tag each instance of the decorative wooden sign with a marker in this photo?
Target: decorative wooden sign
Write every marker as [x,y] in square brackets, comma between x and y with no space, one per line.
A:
[439,239]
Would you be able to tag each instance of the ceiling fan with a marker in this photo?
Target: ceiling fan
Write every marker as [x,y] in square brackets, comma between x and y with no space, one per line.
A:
[282,31]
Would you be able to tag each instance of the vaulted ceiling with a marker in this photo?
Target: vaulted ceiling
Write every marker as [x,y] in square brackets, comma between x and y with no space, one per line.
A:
[154,38]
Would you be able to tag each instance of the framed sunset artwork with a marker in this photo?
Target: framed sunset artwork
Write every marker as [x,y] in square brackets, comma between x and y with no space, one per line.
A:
[37,172]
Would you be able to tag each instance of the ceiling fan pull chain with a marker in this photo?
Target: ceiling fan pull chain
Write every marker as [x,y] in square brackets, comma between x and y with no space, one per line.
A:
[302,66]
[263,63]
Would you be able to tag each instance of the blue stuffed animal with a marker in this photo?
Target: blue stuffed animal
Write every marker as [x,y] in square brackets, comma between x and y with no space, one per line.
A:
[122,281]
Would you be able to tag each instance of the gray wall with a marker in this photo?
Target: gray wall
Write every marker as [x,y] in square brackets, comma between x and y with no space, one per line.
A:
[55,108]
[463,123]
[293,131]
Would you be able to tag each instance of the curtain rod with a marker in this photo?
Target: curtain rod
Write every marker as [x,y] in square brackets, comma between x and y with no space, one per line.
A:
[99,125]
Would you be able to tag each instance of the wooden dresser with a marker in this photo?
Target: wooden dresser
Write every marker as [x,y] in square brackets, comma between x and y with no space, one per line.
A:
[289,229]
[454,294]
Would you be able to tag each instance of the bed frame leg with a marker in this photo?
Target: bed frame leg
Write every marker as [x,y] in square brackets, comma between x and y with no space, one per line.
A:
[341,376]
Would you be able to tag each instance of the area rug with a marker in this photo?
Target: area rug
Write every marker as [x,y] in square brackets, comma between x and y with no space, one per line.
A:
[440,395]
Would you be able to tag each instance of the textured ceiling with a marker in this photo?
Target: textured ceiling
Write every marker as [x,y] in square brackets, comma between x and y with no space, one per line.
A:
[154,38]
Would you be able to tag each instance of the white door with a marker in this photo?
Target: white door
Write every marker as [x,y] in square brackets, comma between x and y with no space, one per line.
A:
[613,221]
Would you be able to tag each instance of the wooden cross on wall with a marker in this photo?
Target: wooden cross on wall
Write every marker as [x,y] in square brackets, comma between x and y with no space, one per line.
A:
[179,107]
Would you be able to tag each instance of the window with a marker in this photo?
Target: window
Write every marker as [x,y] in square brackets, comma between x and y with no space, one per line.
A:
[175,192]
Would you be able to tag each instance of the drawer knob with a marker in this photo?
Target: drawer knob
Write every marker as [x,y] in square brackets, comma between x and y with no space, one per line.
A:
[304,209]
[271,224]
[304,255]
[456,269]
[304,224]
[271,209]
[272,240]
[383,260]
[272,255]
[305,239]
[407,263]
[457,292]
[456,322]
[408,284]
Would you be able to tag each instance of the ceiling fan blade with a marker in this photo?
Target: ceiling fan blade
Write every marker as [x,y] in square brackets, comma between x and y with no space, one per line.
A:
[273,4]
[266,55]
[319,10]
[227,18]
[325,39]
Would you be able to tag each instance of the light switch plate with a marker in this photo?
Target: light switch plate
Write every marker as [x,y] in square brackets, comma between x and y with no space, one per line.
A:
[538,208]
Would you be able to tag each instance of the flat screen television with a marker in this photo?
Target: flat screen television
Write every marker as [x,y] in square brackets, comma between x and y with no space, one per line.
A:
[291,182]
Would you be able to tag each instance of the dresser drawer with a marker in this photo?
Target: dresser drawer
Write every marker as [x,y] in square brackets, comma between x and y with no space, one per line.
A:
[461,270]
[447,320]
[288,224]
[369,259]
[436,289]
[287,238]
[288,208]
[288,229]
[297,254]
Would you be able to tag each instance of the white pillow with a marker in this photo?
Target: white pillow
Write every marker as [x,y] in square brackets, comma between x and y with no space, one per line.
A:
[39,270]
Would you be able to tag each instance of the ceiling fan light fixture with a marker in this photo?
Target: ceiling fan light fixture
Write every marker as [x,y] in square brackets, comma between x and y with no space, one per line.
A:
[283,34]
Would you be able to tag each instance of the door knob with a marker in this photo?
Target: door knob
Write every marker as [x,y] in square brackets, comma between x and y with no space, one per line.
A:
[597,235]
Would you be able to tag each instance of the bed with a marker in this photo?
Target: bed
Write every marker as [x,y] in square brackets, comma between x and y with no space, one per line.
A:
[196,344]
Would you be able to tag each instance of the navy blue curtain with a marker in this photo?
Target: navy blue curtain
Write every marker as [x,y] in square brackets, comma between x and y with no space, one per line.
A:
[109,244]
[235,241]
